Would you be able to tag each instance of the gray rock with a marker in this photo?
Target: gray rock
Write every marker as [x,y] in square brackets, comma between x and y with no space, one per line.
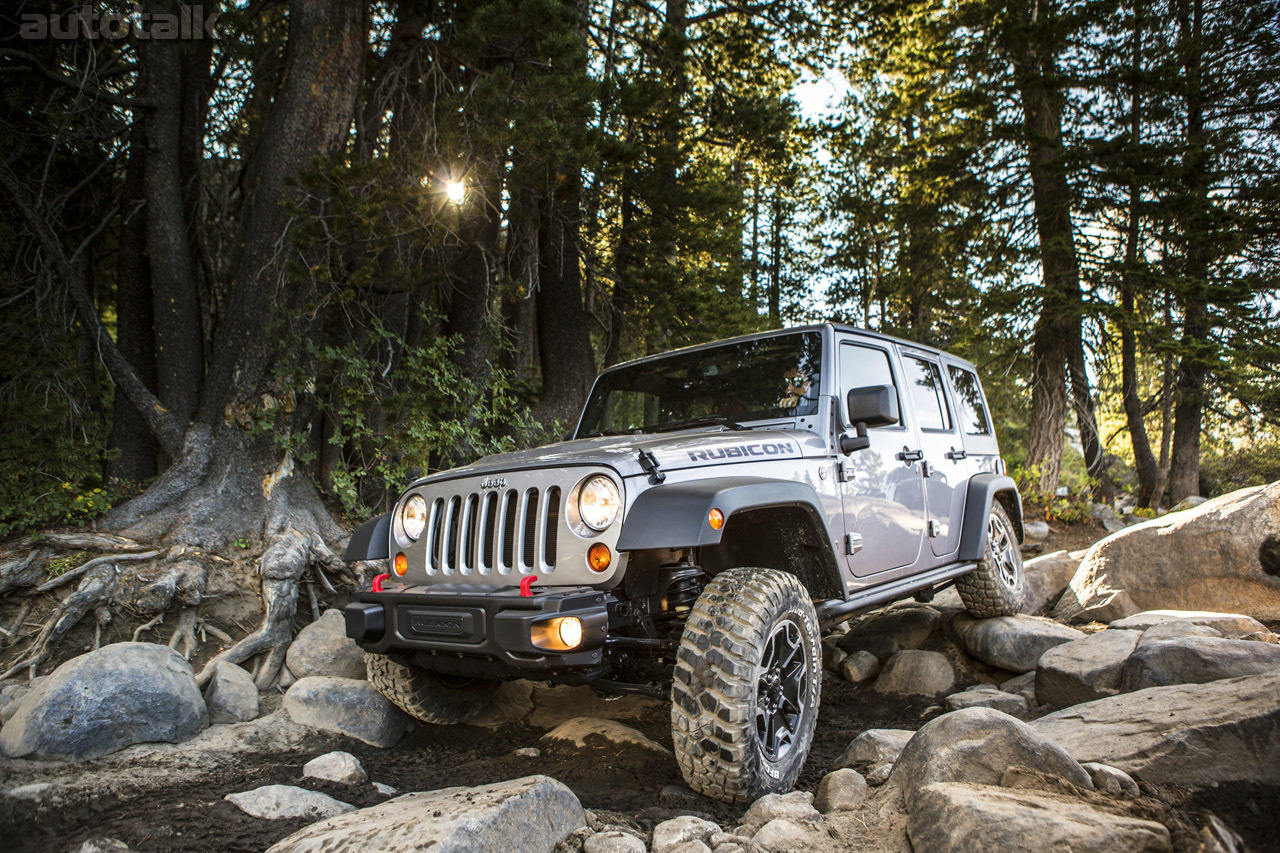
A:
[613,841]
[1111,780]
[841,791]
[891,630]
[860,667]
[1189,502]
[676,831]
[782,835]
[276,802]
[104,845]
[231,696]
[1035,531]
[341,767]
[1045,579]
[1226,624]
[1022,685]
[1196,660]
[323,648]
[874,747]
[987,697]
[694,846]
[527,815]
[577,730]
[1085,669]
[105,700]
[528,752]
[977,745]
[1014,643]
[833,656]
[918,672]
[1187,734]
[1204,559]
[1174,630]
[969,818]
[346,706]
[385,789]
[796,806]
[33,791]
[878,775]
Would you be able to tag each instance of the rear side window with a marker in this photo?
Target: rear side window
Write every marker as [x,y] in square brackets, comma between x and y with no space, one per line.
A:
[927,397]
[971,411]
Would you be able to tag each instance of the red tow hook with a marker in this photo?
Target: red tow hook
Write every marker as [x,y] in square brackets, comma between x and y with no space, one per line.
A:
[526,584]
[377,582]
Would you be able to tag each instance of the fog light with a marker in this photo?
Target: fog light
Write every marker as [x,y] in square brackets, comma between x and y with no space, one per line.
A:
[716,519]
[570,629]
[598,557]
[561,634]
[401,564]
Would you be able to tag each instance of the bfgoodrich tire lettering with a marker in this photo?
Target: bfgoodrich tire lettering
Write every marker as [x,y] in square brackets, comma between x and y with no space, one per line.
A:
[427,696]
[995,587]
[748,674]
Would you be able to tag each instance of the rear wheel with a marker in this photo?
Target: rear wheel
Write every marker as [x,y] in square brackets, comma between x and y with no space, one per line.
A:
[746,685]
[429,696]
[995,587]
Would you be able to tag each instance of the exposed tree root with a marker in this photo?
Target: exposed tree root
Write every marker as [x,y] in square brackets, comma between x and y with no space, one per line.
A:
[94,591]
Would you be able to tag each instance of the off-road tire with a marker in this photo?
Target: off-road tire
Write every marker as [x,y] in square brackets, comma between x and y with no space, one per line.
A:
[716,699]
[996,587]
[429,697]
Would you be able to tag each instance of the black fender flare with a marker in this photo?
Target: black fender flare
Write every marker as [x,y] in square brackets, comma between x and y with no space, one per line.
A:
[371,541]
[983,489]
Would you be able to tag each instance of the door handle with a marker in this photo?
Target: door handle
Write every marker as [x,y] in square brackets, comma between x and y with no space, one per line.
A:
[957,455]
[905,455]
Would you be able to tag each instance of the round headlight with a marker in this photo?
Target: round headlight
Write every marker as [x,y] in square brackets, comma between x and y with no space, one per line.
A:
[413,517]
[598,502]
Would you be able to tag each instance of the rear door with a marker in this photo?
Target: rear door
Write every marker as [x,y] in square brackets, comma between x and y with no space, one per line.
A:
[943,474]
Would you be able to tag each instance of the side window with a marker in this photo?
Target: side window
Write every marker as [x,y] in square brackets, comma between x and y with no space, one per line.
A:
[861,366]
[927,397]
[971,410]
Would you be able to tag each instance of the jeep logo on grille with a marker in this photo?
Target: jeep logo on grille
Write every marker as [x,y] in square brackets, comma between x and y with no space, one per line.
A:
[493,482]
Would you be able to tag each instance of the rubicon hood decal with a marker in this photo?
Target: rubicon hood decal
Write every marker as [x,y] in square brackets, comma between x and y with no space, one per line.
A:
[715,452]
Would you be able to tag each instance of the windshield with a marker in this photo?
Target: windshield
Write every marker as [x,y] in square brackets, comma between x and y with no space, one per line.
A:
[763,379]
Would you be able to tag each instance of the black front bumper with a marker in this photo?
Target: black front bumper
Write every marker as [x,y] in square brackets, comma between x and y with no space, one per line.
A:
[489,624]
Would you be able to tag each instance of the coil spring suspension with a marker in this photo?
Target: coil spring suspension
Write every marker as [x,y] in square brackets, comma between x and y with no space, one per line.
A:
[679,587]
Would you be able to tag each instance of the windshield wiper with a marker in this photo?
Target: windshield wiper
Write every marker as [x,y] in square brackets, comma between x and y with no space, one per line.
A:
[705,420]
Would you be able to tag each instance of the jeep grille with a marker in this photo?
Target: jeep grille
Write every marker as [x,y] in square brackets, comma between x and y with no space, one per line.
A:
[493,531]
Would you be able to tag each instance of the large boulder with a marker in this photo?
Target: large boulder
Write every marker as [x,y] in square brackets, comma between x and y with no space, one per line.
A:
[1014,643]
[281,802]
[889,631]
[1189,734]
[105,700]
[1206,558]
[527,815]
[1225,624]
[919,672]
[985,696]
[1196,660]
[978,745]
[1046,578]
[1085,669]
[951,818]
[231,696]
[323,648]
[873,748]
[346,706]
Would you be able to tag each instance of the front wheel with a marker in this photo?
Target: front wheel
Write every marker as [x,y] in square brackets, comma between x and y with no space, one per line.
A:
[995,587]
[428,696]
[747,680]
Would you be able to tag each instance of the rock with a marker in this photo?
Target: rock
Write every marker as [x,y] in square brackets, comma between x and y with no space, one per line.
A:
[694,846]
[1111,780]
[33,791]
[577,730]
[1263,637]
[859,667]
[1173,630]
[841,791]
[1204,559]
[1226,624]
[1187,734]
[1189,502]
[528,752]
[987,697]
[105,700]
[613,841]
[231,696]
[1022,685]
[784,836]
[796,806]
[1045,579]
[888,631]
[1014,643]
[104,845]
[878,775]
[874,747]
[1035,531]
[977,745]
[385,790]
[1084,669]
[919,672]
[274,802]
[341,767]
[951,818]
[671,833]
[833,656]
[323,648]
[1196,660]
[346,706]
[533,813]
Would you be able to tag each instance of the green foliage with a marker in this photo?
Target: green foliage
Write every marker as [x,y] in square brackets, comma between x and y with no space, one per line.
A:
[59,566]
[1076,507]
[1228,469]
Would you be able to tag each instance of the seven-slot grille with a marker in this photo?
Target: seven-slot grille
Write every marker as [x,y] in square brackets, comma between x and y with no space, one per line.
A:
[503,530]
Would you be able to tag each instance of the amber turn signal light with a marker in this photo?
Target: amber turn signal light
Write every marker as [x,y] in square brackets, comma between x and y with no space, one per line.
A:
[401,564]
[716,519]
[598,557]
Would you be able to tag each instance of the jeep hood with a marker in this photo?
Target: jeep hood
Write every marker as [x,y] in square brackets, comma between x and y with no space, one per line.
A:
[673,451]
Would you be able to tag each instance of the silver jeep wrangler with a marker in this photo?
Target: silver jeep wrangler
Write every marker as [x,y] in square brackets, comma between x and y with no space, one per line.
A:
[716,508]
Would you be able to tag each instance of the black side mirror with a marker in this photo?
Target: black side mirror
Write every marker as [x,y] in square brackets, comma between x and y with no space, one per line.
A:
[870,406]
